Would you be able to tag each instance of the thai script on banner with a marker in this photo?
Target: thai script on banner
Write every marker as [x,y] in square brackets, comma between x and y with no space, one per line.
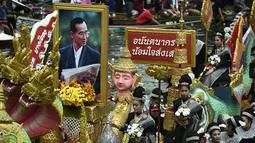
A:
[148,46]
[40,38]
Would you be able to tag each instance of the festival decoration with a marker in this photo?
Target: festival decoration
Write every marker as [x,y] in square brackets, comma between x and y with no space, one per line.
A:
[40,36]
[252,15]
[206,14]
[11,132]
[29,90]
[76,93]
[235,44]
[159,46]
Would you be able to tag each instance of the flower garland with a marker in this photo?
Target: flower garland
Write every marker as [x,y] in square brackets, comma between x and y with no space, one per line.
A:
[214,60]
[75,93]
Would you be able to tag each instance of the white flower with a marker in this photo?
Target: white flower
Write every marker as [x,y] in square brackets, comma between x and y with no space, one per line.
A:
[212,62]
[227,36]
[177,113]
[211,57]
[180,110]
[186,112]
[129,127]
[215,56]
[218,59]
[227,29]
[139,134]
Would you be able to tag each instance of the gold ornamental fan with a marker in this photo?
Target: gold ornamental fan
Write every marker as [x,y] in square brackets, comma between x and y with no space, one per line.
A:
[180,56]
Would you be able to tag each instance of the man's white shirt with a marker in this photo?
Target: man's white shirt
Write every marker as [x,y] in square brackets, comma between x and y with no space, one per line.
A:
[77,55]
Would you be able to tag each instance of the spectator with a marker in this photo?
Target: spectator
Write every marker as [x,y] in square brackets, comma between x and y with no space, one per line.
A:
[146,17]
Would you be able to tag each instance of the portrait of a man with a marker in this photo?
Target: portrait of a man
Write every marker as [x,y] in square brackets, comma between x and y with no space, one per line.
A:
[83,47]
[78,53]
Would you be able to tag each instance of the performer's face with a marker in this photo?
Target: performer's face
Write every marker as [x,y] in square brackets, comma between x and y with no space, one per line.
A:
[137,105]
[80,37]
[218,41]
[184,92]
[215,136]
[123,80]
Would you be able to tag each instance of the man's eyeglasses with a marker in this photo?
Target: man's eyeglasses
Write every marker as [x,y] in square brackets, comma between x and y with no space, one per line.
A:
[87,33]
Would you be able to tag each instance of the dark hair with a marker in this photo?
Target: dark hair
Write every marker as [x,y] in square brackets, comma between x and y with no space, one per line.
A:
[185,80]
[230,123]
[248,113]
[212,127]
[220,35]
[76,20]
[139,93]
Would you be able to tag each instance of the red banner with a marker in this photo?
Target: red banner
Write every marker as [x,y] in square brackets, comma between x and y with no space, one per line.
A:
[149,46]
[40,37]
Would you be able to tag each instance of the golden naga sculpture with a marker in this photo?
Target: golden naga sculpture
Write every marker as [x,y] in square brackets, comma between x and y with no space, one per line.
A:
[18,69]
[37,90]
[236,78]
[41,86]
[124,78]
[159,72]
[10,132]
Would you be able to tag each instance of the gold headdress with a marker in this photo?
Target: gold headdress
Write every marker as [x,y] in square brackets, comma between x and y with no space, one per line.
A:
[125,63]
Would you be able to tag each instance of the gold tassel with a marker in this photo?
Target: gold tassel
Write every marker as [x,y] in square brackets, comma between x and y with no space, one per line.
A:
[84,136]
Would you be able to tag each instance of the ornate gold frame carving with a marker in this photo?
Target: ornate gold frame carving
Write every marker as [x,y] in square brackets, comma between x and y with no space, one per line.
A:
[196,83]
[192,33]
[206,6]
[252,15]
[104,40]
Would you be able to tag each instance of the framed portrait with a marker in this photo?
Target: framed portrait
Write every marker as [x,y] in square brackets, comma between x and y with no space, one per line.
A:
[84,43]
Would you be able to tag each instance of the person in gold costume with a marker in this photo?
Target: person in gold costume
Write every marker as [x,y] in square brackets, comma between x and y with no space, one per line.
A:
[124,78]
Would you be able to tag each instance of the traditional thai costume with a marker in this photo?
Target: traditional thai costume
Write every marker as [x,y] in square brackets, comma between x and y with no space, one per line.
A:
[212,127]
[195,115]
[220,76]
[230,139]
[234,138]
[247,136]
[123,102]
[148,124]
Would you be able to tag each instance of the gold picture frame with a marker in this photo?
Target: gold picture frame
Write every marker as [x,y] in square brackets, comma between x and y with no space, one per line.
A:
[252,15]
[96,19]
[146,31]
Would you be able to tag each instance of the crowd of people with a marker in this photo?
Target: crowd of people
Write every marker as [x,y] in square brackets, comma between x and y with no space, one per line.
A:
[147,111]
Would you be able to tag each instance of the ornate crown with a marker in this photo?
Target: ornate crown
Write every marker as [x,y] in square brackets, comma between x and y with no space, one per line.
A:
[125,63]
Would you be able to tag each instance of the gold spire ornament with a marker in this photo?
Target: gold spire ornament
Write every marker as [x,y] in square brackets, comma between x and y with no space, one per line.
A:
[181,38]
[125,63]
[180,56]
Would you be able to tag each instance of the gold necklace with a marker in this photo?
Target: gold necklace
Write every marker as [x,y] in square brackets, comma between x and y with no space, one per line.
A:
[137,119]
